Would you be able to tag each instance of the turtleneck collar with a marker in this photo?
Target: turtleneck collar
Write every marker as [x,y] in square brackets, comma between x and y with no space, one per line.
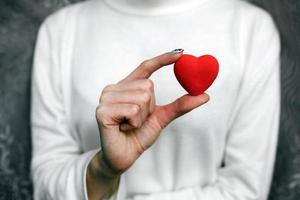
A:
[153,7]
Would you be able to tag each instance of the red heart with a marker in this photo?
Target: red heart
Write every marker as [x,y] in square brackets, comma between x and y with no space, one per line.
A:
[194,74]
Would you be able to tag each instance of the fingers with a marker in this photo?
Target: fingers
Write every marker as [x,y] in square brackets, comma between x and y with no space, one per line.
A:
[138,97]
[167,113]
[116,114]
[146,68]
[136,93]
[141,86]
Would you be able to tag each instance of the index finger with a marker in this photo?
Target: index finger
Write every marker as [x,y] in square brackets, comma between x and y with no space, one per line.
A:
[146,68]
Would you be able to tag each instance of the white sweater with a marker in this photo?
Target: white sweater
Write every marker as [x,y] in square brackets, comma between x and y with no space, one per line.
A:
[84,47]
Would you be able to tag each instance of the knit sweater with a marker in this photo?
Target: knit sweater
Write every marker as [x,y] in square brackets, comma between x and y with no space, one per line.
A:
[223,150]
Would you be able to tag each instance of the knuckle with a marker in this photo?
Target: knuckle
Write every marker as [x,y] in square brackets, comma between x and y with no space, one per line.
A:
[105,91]
[134,109]
[102,117]
[100,112]
[136,124]
[107,88]
[145,63]
[105,97]
[184,108]
[146,97]
[146,66]
[149,85]
[178,108]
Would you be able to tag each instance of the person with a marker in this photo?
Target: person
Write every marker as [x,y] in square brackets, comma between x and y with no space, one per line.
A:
[110,121]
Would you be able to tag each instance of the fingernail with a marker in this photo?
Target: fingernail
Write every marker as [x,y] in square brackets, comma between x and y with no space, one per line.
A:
[175,51]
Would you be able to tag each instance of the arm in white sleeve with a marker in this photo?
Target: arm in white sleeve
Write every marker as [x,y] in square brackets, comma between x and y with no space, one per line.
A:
[252,136]
[58,164]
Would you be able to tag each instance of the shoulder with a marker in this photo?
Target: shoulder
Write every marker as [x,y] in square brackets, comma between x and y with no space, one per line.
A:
[254,16]
[258,37]
[256,25]
[250,10]
[59,20]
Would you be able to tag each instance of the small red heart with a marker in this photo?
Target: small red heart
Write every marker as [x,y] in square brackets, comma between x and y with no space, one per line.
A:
[194,74]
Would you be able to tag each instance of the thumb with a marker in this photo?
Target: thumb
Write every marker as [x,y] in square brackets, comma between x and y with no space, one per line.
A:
[167,113]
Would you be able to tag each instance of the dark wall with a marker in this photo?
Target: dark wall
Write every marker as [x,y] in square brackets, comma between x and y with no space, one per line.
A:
[286,180]
[19,21]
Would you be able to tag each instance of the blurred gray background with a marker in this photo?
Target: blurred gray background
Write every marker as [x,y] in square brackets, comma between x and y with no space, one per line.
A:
[19,22]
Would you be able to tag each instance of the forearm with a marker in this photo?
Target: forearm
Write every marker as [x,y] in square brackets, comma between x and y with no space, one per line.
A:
[101,181]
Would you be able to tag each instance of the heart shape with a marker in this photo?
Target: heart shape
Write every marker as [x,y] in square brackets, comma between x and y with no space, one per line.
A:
[194,74]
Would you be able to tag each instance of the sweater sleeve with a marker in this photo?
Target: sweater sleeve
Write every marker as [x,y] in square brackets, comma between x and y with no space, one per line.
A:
[58,163]
[252,136]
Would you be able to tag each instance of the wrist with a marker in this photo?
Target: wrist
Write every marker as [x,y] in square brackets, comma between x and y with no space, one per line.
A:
[105,169]
[107,172]
[101,180]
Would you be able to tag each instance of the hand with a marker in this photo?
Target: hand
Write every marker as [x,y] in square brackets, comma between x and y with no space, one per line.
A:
[128,118]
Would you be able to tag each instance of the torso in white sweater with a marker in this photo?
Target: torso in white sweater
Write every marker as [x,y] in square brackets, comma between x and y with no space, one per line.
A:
[84,47]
